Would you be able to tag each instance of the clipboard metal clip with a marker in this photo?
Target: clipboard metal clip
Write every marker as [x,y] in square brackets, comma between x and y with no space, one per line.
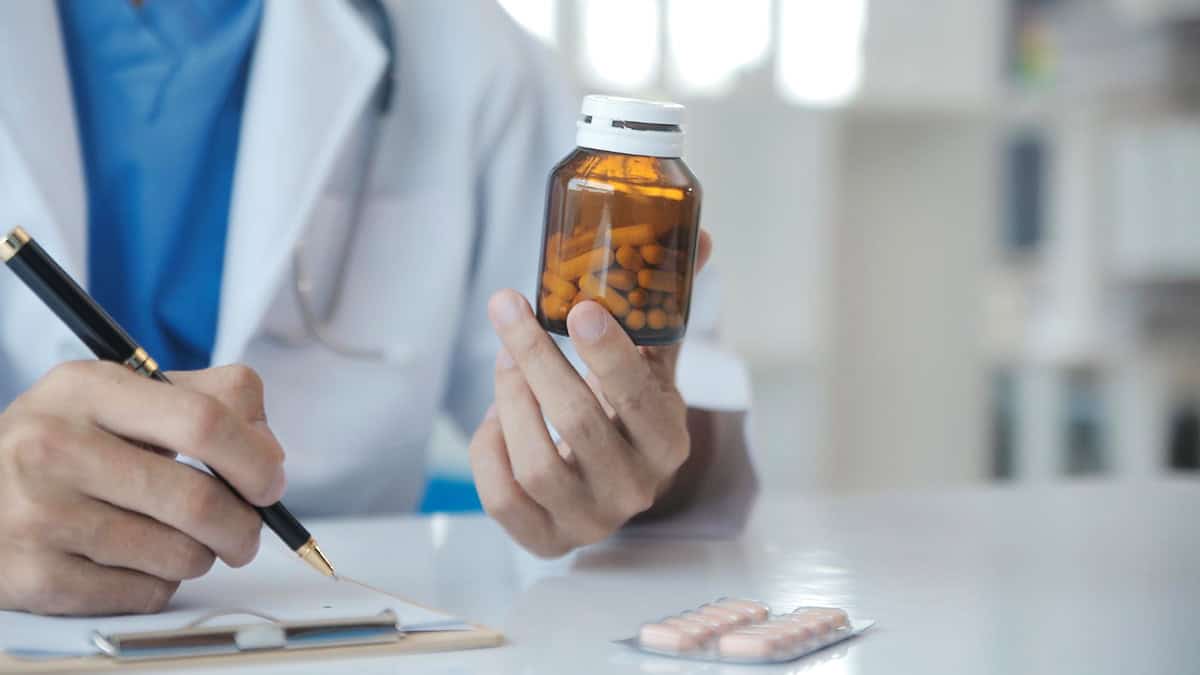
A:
[198,638]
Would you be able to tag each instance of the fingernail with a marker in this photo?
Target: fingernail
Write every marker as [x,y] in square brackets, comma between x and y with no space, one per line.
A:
[590,323]
[491,412]
[504,360]
[505,308]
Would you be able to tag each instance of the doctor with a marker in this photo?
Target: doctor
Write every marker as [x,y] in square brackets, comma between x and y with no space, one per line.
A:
[337,194]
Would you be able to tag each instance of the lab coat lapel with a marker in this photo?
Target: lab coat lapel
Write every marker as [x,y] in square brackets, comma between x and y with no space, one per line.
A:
[37,115]
[315,67]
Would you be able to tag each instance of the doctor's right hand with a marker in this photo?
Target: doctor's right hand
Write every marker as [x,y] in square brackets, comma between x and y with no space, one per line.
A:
[93,522]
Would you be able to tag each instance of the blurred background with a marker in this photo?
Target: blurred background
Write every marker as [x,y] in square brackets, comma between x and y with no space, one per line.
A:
[959,241]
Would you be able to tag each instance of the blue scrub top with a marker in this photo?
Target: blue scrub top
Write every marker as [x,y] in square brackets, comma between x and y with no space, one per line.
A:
[159,91]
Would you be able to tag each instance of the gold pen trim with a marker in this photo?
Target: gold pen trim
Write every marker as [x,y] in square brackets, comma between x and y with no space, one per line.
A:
[13,242]
[141,363]
[136,359]
[311,554]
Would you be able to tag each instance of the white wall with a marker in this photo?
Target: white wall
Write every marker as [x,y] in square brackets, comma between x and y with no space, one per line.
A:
[909,372]
[932,55]
[764,166]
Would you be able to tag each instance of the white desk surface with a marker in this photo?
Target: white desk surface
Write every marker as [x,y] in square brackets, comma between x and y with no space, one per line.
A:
[1074,578]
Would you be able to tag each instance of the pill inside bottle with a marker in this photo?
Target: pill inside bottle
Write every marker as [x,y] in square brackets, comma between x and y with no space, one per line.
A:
[622,222]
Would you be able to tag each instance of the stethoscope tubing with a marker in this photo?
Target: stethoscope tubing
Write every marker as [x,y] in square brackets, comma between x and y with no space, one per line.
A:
[317,327]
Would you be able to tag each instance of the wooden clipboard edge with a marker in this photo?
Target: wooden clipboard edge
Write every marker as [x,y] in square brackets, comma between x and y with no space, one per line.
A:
[479,637]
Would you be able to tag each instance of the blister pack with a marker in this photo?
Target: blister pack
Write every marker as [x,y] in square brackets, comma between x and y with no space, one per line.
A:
[744,631]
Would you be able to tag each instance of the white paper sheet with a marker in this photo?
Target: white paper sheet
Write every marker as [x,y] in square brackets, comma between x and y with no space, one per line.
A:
[275,585]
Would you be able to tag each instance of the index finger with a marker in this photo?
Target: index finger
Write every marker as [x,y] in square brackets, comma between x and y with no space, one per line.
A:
[237,386]
[175,418]
[564,397]
[644,398]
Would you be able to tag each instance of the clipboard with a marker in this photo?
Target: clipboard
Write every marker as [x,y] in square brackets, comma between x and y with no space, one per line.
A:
[293,615]
[264,640]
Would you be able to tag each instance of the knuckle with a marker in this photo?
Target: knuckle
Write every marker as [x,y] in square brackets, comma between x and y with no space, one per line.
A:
[551,548]
[40,591]
[627,364]
[677,453]
[273,457]
[262,489]
[595,530]
[628,401]
[535,348]
[245,544]
[206,419]
[195,561]
[538,477]
[246,390]
[577,423]
[637,498]
[156,593]
[71,372]
[108,529]
[503,504]
[668,448]
[244,377]
[36,442]
[263,463]
[587,527]
[25,521]
[138,475]
[202,500]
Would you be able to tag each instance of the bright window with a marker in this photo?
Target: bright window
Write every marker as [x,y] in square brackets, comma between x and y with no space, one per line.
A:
[710,40]
[820,50]
[620,42]
[539,17]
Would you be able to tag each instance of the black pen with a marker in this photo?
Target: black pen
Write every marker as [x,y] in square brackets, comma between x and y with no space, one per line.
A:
[108,341]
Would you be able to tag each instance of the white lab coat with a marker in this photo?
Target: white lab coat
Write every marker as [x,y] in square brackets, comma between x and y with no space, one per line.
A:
[452,213]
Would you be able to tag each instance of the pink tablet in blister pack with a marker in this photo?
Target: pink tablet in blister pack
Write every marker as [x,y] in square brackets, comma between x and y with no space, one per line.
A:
[745,631]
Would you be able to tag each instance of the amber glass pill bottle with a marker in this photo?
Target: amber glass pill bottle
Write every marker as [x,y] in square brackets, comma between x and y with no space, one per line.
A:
[622,221]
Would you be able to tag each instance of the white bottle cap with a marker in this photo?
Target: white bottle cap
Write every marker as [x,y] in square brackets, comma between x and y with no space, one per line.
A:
[630,126]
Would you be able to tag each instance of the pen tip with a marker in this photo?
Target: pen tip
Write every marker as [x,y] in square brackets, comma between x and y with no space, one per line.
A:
[312,554]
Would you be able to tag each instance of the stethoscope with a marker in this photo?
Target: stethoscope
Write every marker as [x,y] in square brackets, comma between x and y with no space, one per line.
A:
[317,327]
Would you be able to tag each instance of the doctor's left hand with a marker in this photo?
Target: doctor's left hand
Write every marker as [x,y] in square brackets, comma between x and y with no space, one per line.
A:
[624,430]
